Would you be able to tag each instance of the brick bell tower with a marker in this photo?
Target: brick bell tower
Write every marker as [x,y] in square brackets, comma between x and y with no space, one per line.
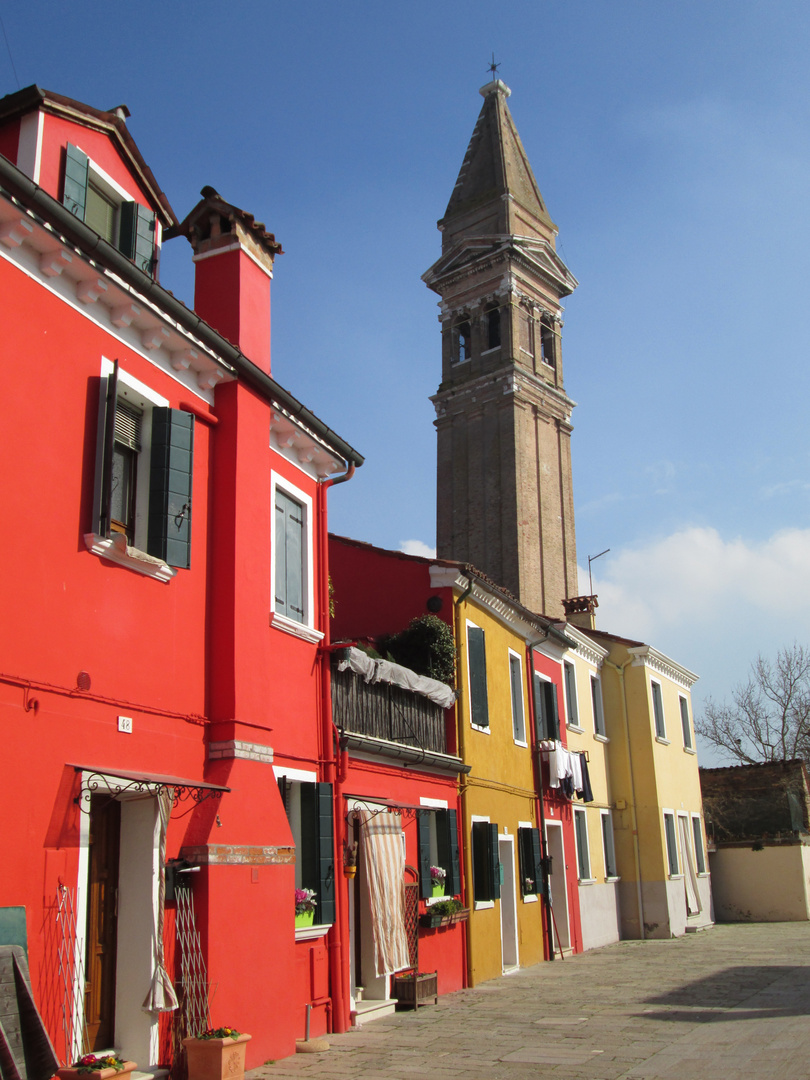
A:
[504,499]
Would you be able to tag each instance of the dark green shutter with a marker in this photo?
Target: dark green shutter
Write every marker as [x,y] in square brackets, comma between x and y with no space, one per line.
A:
[477,661]
[517,698]
[74,196]
[136,235]
[423,832]
[537,860]
[447,822]
[494,863]
[326,856]
[480,848]
[524,859]
[285,788]
[108,426]
[546,715]
[307,856]
[170,483]
[553,711]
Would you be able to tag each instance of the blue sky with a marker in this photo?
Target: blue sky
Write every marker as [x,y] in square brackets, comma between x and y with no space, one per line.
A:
[672,145]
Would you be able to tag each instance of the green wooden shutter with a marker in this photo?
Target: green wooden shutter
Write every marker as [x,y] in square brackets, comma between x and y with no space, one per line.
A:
[537,862]
[136,235]
[448,834]
[480,848]
[494,863]
[289,540]
[525,860]
[539,708]
[326,855]
[423,832]
[553,711]
[477,661]
[74,195]
[517,698]
[307,856]
[170,485]
[108,428]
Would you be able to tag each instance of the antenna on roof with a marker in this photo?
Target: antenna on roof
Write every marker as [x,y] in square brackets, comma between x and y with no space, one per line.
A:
[593,558]
[493,68]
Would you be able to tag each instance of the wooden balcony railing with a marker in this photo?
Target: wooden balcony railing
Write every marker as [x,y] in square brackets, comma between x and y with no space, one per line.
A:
[388,712]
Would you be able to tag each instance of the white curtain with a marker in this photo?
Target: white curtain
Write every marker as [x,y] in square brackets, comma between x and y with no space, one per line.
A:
[689,873]
[161,996]
[384,863]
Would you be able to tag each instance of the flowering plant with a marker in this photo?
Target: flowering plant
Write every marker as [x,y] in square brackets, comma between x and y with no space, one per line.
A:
[304,900]
[220,1033]
[92,1063]
[437,875]
[528,885]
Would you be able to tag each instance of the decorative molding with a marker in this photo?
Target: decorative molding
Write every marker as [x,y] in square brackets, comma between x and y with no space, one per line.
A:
[244,751]
[115,549]
[14,233]
[123,315]
[90,289]
[311,933]
[52,263]
[154,337]
[238,855]
[585,648]
[297,629]
[647,656]
[302,447]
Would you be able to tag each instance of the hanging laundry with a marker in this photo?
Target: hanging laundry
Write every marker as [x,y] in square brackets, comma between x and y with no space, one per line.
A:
[585,793]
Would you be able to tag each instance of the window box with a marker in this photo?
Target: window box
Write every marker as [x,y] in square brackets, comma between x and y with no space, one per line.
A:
[431,922]
[417,989]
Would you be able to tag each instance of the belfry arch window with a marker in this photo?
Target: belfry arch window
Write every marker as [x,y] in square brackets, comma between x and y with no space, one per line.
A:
[493,327]
[547,344]
[462,342]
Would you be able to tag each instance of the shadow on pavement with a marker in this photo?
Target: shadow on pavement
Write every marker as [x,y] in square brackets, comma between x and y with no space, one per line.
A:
[779,991]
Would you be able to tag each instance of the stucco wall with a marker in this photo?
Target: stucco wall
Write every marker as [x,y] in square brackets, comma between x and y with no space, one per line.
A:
[599,911]
[761,886]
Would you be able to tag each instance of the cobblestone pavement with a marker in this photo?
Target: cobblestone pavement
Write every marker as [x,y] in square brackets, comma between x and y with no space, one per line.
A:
[731,1002]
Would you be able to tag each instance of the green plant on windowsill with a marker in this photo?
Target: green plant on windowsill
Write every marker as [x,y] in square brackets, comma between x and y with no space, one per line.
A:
[446,907]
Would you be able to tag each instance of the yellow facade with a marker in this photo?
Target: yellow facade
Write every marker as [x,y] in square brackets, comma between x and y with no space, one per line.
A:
[507,932]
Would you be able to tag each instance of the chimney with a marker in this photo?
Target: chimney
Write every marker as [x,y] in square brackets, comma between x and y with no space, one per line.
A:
[579,610]
[233,257]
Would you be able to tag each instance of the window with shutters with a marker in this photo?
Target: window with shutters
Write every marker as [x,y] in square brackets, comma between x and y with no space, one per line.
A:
[546,711]
[598,712]
[102,204]
[516,684]
[686,726]
[571,703]
[700,851]
[608,846]
[309,809]
[530,858]
[583,850]
[477,677]
[437,831]
[672,843]
[143,477]
[486,863]
[292,561]
[658,711]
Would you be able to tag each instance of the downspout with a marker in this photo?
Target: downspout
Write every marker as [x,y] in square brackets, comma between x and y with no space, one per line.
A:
[633,816]
[460,728]
[339,973]
[541,814]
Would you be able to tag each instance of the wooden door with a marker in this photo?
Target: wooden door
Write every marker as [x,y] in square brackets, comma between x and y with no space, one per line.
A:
[102,922]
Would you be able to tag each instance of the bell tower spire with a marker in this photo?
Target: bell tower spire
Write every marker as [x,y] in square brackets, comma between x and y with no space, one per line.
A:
[505,499]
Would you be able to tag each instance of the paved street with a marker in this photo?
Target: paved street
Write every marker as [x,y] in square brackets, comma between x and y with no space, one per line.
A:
[732,1002]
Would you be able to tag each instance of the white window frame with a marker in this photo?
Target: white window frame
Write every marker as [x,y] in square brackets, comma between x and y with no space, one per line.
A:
[686,724]
[518,707]
[305,629]
[695,832]
[674,817]
[116,194]
[660,736]
[528,898]
[589,880]
[476,727]
[598,708]
[606,815]
[478,905]
[433,804]
[571,697]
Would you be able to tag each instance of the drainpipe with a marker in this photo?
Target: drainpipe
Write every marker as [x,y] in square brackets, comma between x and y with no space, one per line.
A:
[460,729]
[339,973]
[541,814]
[633,816]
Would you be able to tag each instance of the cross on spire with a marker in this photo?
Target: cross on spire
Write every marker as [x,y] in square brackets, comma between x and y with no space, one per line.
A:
[493,68]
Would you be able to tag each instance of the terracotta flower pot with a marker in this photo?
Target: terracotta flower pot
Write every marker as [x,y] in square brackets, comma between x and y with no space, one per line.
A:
[216,1059]
[95,1074]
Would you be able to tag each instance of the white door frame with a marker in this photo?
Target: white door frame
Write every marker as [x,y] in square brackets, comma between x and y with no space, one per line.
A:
[559,881]
[510,954]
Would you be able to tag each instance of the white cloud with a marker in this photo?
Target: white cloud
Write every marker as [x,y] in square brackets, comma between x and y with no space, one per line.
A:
[417,547]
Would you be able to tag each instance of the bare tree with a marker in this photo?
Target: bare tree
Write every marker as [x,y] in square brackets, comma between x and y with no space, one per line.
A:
[768,718]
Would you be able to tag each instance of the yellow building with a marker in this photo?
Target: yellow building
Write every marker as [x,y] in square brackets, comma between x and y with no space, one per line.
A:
[652,772]
[501,830]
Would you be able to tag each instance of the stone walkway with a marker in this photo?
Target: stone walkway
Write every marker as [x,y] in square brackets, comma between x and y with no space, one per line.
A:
[731,1003]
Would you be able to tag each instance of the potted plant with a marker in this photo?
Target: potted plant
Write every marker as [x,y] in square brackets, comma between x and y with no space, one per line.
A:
[444,913]
[438,876]
[97,1066]
[217,1054]
[305,907]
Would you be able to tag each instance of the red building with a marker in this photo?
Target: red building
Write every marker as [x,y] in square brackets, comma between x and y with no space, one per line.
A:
[165,685]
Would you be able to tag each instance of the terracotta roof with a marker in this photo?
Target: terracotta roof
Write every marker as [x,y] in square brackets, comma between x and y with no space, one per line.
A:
[34,97]
[212,200]
[611,637]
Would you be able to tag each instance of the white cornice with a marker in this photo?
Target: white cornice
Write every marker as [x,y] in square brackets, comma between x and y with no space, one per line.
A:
[497,605]
[647,656]
[585,647]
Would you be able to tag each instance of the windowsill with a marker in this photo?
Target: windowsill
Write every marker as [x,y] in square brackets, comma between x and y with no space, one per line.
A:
[483,905]
[689,750]
[600,738]
[612,880]
[477,727]
[436,899]
[662,740]
[676,877]
[297,629]
[576,729]
[519,742]
[494,348]
[312,933]
[587,881]
[703,873]
[116,550]
[457,363]
[530,899]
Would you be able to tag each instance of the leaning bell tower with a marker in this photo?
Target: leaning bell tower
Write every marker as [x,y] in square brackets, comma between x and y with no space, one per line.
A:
[504,497]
